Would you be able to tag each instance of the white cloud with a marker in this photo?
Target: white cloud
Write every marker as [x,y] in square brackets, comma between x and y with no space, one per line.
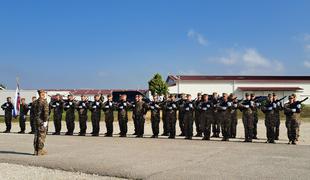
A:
[192,34]
[249,61]
[306,37]
[307,64]
[307,47]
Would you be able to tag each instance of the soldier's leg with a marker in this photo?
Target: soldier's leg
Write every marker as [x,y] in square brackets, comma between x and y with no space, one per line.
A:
[197,124]
[153,124]
[246,128]
[191,126]
[58,122]
[181,124]
[138,120]
[228,125]
[208,127]
[250,127]
[218,125]
[22,123]
[186,126]
[255,117]
[156,129]
[277,127]
[203,124]
[174,120]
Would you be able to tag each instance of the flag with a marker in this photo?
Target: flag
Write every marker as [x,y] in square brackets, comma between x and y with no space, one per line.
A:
[16,102]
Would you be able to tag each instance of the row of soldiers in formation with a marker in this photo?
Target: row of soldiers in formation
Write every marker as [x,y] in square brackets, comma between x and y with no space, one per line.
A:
[206,111]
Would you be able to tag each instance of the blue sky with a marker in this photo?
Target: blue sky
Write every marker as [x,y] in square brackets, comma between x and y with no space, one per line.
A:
[121,44]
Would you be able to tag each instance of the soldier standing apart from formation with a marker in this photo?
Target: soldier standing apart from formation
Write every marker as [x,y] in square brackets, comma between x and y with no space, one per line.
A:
[8,111]
[41,116]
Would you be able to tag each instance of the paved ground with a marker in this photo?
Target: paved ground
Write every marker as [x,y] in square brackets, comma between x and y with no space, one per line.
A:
[16,172]
[164,158]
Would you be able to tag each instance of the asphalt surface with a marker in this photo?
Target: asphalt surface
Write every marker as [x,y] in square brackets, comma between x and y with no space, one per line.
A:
[163,158]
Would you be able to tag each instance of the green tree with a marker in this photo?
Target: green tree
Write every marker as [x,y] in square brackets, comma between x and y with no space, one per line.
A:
[158,86]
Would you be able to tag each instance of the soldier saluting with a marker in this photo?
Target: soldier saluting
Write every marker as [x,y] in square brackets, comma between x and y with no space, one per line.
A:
[189,108]
[108,109]
[95,109]
[270,121]
[206,112]
[171,113]
[41,114]
[224,108]
[247,107]
[139,112]
[82,108]
[8,110]
[69,107]
[154,106]
[122,109]
[57,106]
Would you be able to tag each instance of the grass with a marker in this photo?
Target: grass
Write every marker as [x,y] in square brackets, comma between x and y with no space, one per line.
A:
[305,115]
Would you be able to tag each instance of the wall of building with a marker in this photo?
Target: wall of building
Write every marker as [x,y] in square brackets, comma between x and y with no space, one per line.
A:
[193,87]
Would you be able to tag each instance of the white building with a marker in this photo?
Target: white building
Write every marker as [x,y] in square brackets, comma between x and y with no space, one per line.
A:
[239,85]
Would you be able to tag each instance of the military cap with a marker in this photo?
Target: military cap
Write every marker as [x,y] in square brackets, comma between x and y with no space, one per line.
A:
[247,94]
[252,94]
[274,94]
[199,94]
[294,95]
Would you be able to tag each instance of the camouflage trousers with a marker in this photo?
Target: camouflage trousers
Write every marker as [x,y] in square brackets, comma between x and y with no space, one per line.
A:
[122,122]
[39,138]
[22,122]
[188,124]
[270,123]
[233,125]
[181,122]
[155,119]
[292,125]
[197,122]
[165,123]
[109,118]
[83,123]
[8,122]
[248,123]
[32,123]
[171,120]
[216,124]
[205,123]
[57,122]
[225,123]
[278,121]
[255,122]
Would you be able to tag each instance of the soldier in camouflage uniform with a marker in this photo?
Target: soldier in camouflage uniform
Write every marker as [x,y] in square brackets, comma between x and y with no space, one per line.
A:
[108,109]
[95,109]
[8,110]
[69,107]
[41,114]
[255,116]
[292,111]
[181,104]
[31,109]
[294,96]
[234,116]
[171,112]
[216,125]
[57,106]
[154,106]
[22,116]
[270,121]
[247,107]
[122,108]
[189,108]
[197,116]
[82,108]
[224,109]
[277,115]
[206,114]
[139,112]
[164,116]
